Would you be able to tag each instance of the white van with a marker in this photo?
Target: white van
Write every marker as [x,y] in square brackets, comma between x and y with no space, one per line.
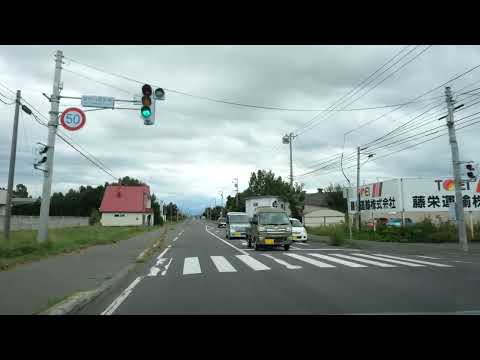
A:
[237,225]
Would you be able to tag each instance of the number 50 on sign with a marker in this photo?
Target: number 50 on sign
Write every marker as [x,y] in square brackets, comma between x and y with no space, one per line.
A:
[73,119]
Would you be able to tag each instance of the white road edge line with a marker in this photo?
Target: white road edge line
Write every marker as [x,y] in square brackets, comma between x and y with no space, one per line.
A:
[154,271]
[226,242]
[176,238]
[163,252]
[119,300]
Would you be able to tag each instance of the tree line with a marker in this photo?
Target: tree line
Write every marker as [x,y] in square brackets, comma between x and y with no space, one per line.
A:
[265,182]
[85,201]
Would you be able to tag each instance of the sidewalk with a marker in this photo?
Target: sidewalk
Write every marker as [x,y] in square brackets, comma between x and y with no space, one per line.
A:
[408,248]
[28,288]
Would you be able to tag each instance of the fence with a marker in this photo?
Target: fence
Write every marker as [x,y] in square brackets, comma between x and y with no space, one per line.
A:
[326,220]
[20,222]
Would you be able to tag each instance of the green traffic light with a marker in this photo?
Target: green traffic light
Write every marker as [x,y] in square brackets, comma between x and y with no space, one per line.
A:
[146,111]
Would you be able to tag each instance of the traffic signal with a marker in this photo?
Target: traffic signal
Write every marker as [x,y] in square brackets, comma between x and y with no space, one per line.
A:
[471,171]
[42,158]
[148,105]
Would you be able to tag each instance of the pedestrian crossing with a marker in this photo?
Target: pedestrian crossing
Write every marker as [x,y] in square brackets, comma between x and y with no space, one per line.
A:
[194,266]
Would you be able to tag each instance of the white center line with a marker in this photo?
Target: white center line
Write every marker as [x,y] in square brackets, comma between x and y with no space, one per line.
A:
[119,300]
[222,264]
[389,260]
[339,261]
[415,261]
[371,262]
[191,265]
[253,263]
[310,261]
[284,263]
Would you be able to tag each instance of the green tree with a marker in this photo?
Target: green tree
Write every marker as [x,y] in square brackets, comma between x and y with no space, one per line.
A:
[334,197]
[20,191]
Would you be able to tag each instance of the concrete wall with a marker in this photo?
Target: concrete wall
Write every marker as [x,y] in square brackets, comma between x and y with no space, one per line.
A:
[124,219]
[20,222]
[314,221]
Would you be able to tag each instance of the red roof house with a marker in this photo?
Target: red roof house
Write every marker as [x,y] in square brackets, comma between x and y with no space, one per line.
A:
[126,206]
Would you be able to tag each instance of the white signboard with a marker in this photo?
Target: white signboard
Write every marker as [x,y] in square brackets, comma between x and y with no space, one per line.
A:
[98,101]
[414,195]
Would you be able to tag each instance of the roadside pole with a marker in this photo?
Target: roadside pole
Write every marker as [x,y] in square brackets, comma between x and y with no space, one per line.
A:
[42,234]
[11,170]
[291,159]
[459,211]
[471,225]
[358,188]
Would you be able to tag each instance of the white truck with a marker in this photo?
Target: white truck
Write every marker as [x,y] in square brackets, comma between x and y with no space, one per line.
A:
[251,203]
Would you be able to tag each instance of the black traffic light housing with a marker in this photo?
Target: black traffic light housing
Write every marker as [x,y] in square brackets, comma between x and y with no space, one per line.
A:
[471,171]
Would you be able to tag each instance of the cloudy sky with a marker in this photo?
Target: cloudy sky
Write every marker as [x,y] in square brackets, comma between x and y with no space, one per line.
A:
[197,146]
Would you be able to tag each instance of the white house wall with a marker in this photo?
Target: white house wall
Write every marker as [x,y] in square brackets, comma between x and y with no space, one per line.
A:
[125,219]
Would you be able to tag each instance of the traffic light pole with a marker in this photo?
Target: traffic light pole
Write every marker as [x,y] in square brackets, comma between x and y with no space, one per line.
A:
[11,170]
[290,137]
[459,212]
[42,234]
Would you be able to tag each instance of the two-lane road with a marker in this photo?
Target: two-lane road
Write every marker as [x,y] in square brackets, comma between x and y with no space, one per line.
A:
[200,272]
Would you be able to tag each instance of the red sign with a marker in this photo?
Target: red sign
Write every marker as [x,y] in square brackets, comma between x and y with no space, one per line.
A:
[73,119]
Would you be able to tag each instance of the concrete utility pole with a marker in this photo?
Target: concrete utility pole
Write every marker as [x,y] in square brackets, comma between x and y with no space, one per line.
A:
[358,189]
[11,170]
[459,212]
[291,159]
[221,204]
[348,198]
[236,188]
[42,234]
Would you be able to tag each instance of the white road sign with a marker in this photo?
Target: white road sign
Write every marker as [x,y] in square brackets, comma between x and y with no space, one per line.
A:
[98,101]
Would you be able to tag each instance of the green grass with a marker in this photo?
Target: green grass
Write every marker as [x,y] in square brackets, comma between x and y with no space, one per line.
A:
[23,247]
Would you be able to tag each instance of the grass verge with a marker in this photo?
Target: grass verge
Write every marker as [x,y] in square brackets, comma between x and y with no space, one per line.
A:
[23,247]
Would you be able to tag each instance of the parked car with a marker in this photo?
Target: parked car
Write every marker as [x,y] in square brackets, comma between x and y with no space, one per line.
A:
[299,233]
[397,222]
[237,225]
[270,227]
[378,221]
[221,222]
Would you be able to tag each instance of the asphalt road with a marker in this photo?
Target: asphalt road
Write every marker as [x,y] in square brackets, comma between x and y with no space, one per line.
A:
[203,273]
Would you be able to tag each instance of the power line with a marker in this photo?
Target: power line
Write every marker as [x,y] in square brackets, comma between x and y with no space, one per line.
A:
[311,123]
[99,82]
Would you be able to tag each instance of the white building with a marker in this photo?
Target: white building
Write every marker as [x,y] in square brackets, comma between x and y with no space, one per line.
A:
[323,217]
[251,203]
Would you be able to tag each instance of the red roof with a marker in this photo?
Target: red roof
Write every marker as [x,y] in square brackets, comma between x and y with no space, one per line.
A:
[129,199]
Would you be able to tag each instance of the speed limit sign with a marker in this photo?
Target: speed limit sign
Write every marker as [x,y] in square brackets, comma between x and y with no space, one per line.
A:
[73,119]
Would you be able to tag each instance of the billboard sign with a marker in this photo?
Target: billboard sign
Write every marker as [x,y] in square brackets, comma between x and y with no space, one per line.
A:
[414,195]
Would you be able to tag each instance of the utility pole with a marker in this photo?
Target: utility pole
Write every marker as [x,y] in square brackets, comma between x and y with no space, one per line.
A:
[221,204]
[358,188]
[11,170]
[287,139]
[459,212]
[236,187]
[291,160]
[42,234]
[348,199]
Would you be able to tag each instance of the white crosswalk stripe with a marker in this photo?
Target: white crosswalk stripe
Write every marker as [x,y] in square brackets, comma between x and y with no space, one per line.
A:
[222,264]
[310,261]
[282,262]
[389,260]
[371,262]
[253,263]
[339,261]
[191,265]
[415,261]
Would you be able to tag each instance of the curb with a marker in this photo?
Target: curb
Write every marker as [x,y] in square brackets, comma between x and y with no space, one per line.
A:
[80,299]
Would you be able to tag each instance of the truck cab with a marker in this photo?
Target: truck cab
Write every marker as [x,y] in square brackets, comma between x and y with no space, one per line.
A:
[270,227]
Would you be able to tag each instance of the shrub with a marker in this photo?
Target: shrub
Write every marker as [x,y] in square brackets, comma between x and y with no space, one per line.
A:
[94,217]
[337,238]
